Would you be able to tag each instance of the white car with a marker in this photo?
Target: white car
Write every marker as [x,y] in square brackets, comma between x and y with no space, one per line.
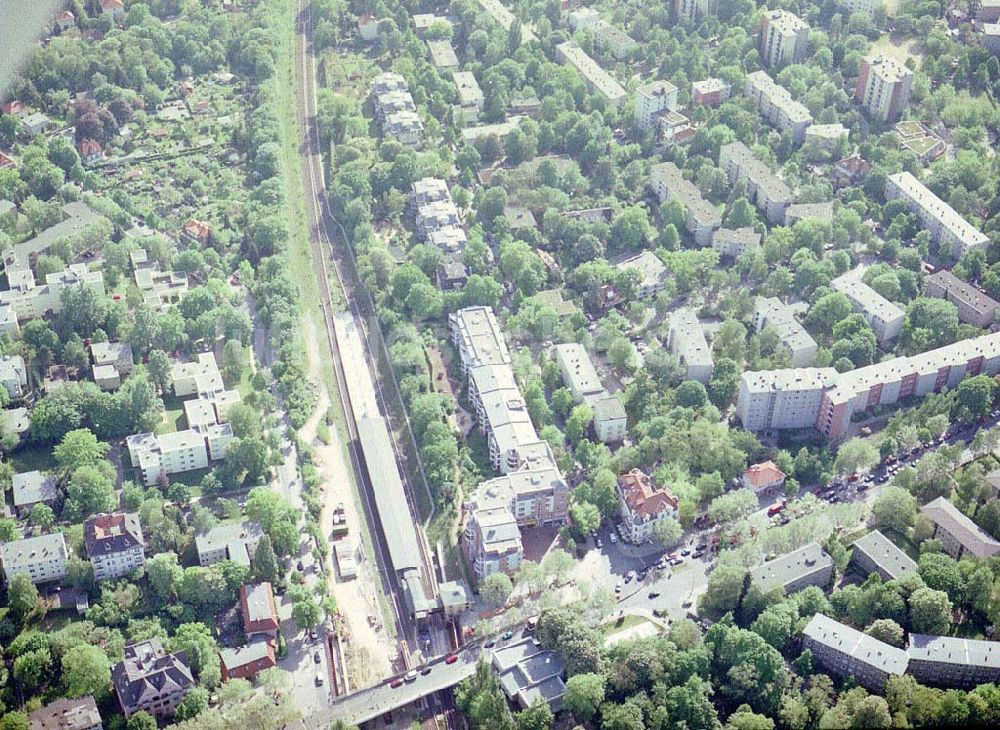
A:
[613,537]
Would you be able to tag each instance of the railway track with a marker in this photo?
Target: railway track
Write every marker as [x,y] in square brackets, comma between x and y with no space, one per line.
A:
[323,227]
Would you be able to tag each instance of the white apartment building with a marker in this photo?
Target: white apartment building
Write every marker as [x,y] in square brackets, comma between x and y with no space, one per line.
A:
[610,419]
[686,340]
[764,189]
[477,336]
[13,375]
[582,380]
[946,226]
[796,398]
[504,419]
[784,38]
[652,273]
[41,558]
[974,307]
[885,318]
[865,7]
[652,99]
[695,9]
[701,218]
[29,300]
[599,80]
[179,451]
[808,211]
[504,18]
[883,87]
[782,399]
[772,312]
[115,544]
[236,541]
[777,106]
[734,242]
[470,96]
[642,507]
[827,136]
[196,378]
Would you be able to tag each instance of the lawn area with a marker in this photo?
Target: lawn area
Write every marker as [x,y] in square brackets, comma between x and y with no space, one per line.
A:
[903,543]
[173,416]
[30,458]
[613,627]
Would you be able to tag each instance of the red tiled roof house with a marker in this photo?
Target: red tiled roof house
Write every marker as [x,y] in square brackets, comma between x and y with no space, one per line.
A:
[642,506]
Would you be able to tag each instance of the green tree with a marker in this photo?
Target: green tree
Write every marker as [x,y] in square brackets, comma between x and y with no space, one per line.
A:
[856,455]
[584,695]
[164,574]
[79,448]
[974,398]
[193,704]
[22,596]
[195,639]
[265,563]
[668,531]
[536,717]
[886,630]
[930,612]
[496,588]
[691,394]
[86,671]
[141,720]
[90,490]
[578,422]
[894,509]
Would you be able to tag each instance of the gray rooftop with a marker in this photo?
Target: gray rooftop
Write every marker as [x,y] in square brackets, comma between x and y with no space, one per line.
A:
[972,537]
[31,487]
[951,650]
[847,640]
[884,553]
[791,567]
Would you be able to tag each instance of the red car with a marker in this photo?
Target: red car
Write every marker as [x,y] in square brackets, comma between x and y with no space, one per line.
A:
[397,682]
[450,659]
[777,507]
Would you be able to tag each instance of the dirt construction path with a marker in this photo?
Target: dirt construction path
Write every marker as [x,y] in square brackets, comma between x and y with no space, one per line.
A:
[369,651]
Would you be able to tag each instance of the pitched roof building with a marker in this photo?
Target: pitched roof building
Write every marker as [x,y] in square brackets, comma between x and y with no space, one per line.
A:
[953,662]
[41,558]
[808,566]
[642,506]
[974,306]
[150,679]
[958,534]
[260,617]
[847,652]
[875,553]
[31,488]
[115,544]
[764,476]
[67,714]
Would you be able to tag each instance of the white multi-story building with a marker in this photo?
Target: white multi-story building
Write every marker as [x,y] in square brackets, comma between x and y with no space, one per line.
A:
[865,7]
[764,189]
[701,218]
[41,558]
[772,312]
[179,451]
[695,9]
[599,80]
[442,55]
[973,305]
[13,376]
[652,273]
[827,136]
[236,541]
[470,96]
[652,99]
[734,242]
[782,399]
[777,106]
[784,38]
[883,87]
[826,399]
[31,301]
[885,318]
[686,340]
[477,336]
[946,226]
[114,543]
[581,378]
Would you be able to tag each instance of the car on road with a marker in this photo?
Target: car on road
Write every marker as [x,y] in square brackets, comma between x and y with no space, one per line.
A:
[641,575]
[629,576]
[316,657]
[659,612]
[489,644]
[618,587]
[599,544]
[319,679]
[299,566]
[613,538]
[312,634]
[411,676]
[451,659]
[425,670]
[685,552]
[397,682]
[506,635]
[676,561]
[653,594]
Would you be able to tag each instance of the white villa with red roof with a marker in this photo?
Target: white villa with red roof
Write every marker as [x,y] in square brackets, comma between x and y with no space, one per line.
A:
[642,506]
[763,477]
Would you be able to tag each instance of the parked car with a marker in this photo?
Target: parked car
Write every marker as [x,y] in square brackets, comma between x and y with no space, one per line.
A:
[451,659]
[319,679]
[613,537]
[411,676]
[316,657]
[425,670]
[397,682]
[506,635]
[654,594]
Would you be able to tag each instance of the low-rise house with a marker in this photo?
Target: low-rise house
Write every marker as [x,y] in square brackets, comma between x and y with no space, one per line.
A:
[197,231]
[6,162]
[673,128]
[734,242]
[42,558]
[827,136]
[13,375]
[610,419]
[106,377]
[151,680]
[35,124]
[31,488]
[529,674]
[423,22]
[115,544]
[974,307]
[875,553]
[763,477]
[246,662]
[519,217]
[642,506]
[847,652]
[368,28]
[578,371]
[652,274]
[115,7]
[116,354]
[885,318]
[849,171]
[949,661]
[260,617]
[470,96]
[686,340]
[808,566]
[67,714]
[958,534]
[236,541]
[91,151]
[598,80]
[500,130]
[16,420]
